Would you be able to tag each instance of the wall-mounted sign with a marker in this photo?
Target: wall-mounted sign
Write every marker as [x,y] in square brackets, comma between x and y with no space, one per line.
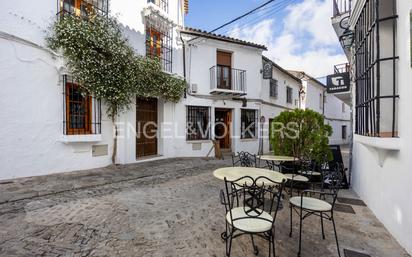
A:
[338,83]
[267,70]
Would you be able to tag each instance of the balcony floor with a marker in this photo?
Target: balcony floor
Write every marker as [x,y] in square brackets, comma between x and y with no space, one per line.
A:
[162,208]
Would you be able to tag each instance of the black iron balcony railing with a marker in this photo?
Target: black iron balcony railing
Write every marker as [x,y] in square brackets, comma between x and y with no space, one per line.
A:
[163,4]
[341,7]
[341,68]
[227,79]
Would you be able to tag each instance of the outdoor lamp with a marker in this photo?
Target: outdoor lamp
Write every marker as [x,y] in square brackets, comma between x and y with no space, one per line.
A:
[347,39]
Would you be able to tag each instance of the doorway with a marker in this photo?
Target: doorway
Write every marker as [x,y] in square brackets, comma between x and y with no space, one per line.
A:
[270,133]
[146,127]
[223,120]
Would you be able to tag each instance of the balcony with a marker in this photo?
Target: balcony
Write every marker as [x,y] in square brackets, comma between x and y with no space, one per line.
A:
[340,23]
[225,80]
[341,68]
[341,7]
[162,4]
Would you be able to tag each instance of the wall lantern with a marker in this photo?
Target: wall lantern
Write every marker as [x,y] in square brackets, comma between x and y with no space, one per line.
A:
[347,39]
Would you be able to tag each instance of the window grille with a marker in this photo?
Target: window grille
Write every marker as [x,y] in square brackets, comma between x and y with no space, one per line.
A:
[289,93]
[159,44]
[81,112]
[84,8]
[375,70]
[248,123]
[273,88]
[197,123]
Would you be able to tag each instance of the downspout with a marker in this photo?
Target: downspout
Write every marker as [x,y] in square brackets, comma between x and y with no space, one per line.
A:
[184,64]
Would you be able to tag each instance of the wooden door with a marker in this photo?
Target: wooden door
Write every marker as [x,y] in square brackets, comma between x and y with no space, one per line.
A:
[146,127]
[223,120]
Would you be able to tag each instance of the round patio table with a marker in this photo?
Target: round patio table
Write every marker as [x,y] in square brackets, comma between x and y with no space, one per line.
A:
[295,177]
[234,173]
[277,158]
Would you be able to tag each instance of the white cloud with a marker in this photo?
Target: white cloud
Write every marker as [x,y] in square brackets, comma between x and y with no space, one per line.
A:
[306,42]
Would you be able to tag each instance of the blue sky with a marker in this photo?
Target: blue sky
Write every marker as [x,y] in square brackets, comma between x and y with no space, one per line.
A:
[298,33]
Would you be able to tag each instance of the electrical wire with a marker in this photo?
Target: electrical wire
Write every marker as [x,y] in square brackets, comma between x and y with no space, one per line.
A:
[237,18]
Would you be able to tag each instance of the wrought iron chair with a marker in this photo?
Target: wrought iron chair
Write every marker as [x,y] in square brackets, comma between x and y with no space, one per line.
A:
[256,213]
[247,159]
[235,159]
[306,206]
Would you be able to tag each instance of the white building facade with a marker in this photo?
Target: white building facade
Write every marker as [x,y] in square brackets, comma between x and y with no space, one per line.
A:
[227,98]
[336,112]
[380,62]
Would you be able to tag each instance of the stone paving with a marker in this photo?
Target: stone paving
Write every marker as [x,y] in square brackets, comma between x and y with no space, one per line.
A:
[160,208]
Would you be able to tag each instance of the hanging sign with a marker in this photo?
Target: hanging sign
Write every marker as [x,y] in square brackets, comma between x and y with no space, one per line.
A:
[337,83]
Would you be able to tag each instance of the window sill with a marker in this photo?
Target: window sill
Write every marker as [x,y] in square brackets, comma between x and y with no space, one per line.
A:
[67,139]
[198,141]
[380,146]
[248,139]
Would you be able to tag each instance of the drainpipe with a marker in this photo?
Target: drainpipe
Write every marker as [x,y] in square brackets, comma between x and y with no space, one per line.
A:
[184,64]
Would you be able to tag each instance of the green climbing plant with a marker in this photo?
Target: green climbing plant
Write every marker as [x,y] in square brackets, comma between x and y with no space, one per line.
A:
[104,64]
[301,133]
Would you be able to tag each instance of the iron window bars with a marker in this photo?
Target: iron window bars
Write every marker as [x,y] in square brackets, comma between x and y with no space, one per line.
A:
[163,4]
[82,114]
[273,90]
[84,8]
[197,123]
[289,93]
[248,121]
[375,70]
[159,42]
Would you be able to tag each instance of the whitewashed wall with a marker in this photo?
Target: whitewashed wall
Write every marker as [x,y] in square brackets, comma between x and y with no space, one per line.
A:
[385,188]
[32,113]
[32,103]
[337,114]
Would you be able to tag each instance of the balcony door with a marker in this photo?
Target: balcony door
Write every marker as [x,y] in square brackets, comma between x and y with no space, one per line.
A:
[224,70]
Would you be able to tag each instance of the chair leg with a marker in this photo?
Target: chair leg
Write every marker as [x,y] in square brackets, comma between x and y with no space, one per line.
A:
[291,222]
[255,248]
[273,244]
[300,231]
[321,223]
[336,235]
[229,243]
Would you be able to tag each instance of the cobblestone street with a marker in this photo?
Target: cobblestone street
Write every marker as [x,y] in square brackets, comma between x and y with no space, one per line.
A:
[161,208]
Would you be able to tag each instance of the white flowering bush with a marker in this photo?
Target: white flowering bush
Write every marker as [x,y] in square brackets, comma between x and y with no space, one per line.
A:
[103,63]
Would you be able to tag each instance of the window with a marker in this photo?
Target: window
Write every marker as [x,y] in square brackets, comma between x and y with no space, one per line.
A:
[248,123]
[273,88]
[375,55]
[163,4]
[84,8]
[159,44]
[344,135]
[82,113]
[289,93]
[198,123]
[343,107]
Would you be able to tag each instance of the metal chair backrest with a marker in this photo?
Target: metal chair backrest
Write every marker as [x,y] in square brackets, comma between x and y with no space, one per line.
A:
[333,179]
[257,195]
[247,159]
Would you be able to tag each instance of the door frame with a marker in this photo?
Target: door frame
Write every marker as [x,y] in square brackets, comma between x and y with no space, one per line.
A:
[229,122]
